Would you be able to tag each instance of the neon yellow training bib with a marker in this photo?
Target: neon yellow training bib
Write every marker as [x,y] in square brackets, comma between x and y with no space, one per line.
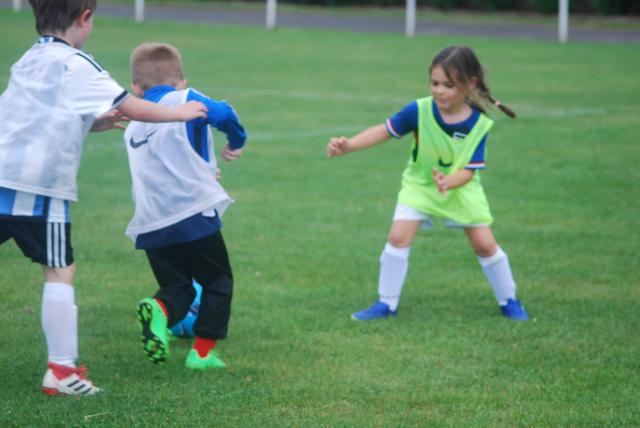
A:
[434,147]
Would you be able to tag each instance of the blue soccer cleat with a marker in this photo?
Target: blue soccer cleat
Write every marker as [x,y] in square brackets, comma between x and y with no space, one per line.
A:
[184,328]
[377,310]
[514,310]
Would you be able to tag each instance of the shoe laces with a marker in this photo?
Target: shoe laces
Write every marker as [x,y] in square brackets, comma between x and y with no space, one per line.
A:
[81,372]
[62,372]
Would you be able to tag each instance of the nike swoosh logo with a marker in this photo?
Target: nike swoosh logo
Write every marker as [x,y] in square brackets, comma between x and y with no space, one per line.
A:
[136,144]
[444,165]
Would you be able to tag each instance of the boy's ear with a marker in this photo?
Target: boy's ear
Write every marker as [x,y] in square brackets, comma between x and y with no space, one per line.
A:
[84,16]
[137,90]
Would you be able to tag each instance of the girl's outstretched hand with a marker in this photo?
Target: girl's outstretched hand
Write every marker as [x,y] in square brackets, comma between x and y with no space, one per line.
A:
[440,180]
[338,146]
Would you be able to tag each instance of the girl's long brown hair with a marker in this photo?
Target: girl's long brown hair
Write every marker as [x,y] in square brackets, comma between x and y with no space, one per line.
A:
[461,65]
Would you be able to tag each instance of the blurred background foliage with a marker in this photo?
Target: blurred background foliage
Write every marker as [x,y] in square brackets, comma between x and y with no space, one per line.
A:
[601,7]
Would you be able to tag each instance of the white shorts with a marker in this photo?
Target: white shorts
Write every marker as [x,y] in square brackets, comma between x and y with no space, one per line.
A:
[404,212]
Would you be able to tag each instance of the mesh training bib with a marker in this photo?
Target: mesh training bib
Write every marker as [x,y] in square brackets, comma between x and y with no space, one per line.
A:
[434,147]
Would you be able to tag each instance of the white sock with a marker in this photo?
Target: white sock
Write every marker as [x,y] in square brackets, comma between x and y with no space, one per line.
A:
[498,271]
[394,264]
[60,323]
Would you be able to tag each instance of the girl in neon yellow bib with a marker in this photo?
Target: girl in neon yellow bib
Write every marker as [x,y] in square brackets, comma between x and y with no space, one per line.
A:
[441,178]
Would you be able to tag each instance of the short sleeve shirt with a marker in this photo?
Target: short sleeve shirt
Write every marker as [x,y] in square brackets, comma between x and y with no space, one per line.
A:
[92,92]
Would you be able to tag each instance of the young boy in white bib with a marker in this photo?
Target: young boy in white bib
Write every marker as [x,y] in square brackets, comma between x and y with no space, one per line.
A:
[56,95]
[178,205]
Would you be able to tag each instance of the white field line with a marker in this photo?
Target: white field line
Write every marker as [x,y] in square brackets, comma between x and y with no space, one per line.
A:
[541,112]
[309,134]
[528,110]
[306,95]
[525,111]
[321,133]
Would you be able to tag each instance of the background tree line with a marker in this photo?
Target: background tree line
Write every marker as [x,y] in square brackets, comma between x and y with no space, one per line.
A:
[602,7]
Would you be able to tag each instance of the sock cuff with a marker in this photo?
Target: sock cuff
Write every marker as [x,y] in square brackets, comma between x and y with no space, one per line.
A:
[391,301]
[58,292]
[203,346]
[398,252]
[488,261]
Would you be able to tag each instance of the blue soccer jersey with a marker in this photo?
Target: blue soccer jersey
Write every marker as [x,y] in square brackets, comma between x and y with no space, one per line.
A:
[222,117]
[406,121]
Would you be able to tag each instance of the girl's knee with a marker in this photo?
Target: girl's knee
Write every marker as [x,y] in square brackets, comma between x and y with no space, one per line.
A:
[485,249]
[482,241]
[399,240]
[402,233]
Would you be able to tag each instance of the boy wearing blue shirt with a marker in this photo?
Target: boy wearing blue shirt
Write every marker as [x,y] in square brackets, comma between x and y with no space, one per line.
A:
[178,204]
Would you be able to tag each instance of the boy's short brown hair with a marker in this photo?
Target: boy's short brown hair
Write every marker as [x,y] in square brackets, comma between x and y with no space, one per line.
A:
[56,16]
[155,64]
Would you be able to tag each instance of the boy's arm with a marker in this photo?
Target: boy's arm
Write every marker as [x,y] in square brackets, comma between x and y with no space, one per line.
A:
[339,146]
[229,123]
[222,117]
[452,181]
[146,111]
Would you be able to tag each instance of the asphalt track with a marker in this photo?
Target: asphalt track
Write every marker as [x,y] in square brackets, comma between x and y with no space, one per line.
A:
[363,23]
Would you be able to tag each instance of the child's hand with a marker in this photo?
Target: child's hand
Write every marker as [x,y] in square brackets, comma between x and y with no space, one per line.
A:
[218,173]
[338,146]
[440,180]
[109,120]
[191,110]
[230,154]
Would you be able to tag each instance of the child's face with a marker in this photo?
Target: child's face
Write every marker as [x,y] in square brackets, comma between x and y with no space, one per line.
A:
[448,96]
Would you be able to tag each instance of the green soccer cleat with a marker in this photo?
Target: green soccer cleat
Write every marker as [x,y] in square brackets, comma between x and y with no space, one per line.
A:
[155,337]
[211,361]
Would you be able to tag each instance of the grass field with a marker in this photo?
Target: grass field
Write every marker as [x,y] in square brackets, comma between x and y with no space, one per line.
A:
[306,232]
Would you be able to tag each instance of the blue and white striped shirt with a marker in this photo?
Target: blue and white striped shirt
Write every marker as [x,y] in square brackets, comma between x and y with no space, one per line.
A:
[15,203]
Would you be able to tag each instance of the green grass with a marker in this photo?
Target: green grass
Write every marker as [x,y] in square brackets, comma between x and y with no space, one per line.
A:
[306,232]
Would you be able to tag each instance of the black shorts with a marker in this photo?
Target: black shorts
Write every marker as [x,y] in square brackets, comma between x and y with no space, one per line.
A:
[43,242]
[207,261]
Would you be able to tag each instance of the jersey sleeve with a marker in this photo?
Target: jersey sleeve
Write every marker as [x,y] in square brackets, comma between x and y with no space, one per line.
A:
[478,159]
[403,122]
[222,117]
[93,91]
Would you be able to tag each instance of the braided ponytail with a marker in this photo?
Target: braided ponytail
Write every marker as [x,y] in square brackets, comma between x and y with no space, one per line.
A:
[486,93]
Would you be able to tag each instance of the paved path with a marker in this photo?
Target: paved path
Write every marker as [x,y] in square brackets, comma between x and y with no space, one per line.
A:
[363,23]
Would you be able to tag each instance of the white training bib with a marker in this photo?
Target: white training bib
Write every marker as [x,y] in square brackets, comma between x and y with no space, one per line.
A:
[171,182]
[54,95]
